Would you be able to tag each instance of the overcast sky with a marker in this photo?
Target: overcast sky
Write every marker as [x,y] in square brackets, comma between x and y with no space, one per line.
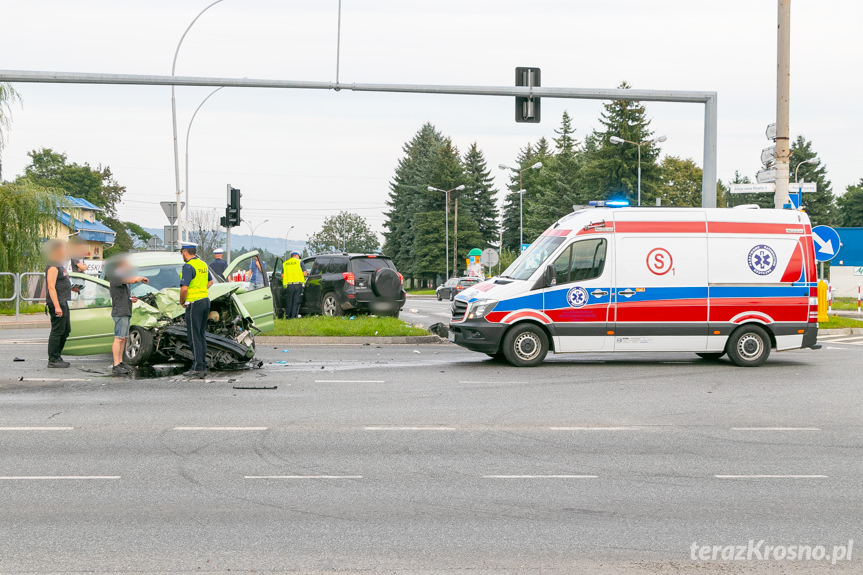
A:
[299,156]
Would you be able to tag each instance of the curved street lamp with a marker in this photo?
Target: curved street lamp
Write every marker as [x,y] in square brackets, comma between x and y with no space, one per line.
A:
[446,212]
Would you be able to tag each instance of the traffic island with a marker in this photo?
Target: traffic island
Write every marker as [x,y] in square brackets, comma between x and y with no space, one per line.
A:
[353,329]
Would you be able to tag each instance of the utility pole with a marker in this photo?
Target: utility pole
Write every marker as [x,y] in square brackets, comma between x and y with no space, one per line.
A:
[783,82]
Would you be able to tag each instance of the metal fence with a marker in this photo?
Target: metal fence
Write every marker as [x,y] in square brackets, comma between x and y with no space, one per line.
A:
[27,287]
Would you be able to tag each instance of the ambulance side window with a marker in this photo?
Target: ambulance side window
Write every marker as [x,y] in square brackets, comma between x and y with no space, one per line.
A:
[584,260]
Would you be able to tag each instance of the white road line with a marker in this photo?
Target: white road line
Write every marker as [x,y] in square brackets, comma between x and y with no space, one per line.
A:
[540,476]
[848,340]
[24,428]
[303,477]
[407,428]
[349,381]
[44,477]
[619,428]
[496,381]
[776,429]
[220,428]
[770,476]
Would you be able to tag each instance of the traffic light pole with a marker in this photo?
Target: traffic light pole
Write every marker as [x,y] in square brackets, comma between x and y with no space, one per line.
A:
[708,99]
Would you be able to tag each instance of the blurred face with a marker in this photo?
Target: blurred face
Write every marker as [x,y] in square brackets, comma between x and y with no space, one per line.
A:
[59,253]
[78,250]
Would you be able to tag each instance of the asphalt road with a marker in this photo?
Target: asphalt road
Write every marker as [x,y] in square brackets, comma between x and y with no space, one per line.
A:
[428,459]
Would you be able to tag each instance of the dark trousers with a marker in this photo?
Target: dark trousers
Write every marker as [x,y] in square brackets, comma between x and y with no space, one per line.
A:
[196,330]
[293,295]
[60,328]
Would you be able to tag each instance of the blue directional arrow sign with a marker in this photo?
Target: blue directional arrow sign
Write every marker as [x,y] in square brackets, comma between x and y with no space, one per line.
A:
[827,243]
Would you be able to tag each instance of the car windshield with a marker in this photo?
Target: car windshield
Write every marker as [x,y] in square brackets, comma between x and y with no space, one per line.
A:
[165,276]
[371,264]
[533,257]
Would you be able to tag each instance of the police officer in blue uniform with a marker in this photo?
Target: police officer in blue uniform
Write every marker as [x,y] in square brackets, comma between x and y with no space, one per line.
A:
[195,283]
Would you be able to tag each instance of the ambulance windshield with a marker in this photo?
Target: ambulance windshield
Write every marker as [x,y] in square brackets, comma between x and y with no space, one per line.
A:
[534,256]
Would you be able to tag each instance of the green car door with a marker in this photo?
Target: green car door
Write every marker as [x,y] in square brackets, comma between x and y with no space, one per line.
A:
[90,315]
[256,295]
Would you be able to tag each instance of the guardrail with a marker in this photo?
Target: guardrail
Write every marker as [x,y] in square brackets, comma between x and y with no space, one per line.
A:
[28,287]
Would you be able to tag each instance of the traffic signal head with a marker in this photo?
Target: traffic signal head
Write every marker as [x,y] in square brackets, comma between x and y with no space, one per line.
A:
[232,213]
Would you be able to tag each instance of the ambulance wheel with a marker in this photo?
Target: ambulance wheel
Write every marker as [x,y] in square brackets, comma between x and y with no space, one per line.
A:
[710,356]
[525,345]
[749,346]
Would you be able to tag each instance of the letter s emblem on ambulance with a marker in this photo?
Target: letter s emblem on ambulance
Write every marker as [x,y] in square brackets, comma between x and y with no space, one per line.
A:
[577,297]
[762,259]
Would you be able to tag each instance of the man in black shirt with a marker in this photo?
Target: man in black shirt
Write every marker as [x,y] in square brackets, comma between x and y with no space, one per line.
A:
[121,310]
[57,301]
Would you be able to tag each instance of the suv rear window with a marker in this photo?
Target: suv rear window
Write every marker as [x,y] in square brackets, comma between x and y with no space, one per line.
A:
[371,264]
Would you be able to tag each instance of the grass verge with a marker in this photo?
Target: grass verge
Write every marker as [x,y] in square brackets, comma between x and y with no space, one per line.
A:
[845,303]
[25,308]
[839,322]
[422,292]
[360,326]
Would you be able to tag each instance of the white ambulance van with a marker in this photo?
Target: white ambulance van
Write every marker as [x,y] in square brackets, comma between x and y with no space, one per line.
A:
[708,281]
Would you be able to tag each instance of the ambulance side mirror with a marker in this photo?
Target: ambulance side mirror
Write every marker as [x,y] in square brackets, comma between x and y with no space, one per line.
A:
[550,276]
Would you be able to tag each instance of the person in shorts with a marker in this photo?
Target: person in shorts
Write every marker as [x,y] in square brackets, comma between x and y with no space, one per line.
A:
[121,310]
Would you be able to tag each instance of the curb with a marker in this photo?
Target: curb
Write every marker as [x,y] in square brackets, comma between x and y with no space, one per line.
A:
[351,340]
[842,331]
[24,324]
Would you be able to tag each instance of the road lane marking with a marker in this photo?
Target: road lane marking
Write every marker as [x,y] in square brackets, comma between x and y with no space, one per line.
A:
[490,382]
[776,429]
[540,476]
[24,428]
[349,381]
[43,477]
[303,477]
[770,476]
[407,428]
[619,428]
[222,428]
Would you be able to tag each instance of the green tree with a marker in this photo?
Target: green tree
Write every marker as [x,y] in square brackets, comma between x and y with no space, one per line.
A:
[8,96]
[345,231]
[821,204]
[480,197]
[681,182]
[850,212]
[540,185]
[29,216]
[611,170]
[762,200]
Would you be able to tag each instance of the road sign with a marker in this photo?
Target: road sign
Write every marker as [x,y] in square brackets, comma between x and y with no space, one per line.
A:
[766,176]
[827,243]
[768,155]
[170,209]
[154,243]
[169,235]
[752,188]
[489,258]
[805,187]
[524,247]
[770,132]
[527,109]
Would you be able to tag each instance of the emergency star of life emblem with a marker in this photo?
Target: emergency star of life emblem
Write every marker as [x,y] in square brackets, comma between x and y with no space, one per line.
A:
[762,259]
[576,297]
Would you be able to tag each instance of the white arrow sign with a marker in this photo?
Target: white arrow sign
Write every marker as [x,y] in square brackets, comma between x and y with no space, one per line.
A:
[768,155]
[824,246]
[770,132]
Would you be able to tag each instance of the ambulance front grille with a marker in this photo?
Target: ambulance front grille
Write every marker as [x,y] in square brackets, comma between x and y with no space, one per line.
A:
[458,309]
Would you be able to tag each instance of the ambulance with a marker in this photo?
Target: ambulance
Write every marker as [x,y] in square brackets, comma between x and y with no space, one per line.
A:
[738,281]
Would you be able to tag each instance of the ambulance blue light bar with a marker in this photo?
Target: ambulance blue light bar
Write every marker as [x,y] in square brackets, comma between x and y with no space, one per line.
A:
[608,203]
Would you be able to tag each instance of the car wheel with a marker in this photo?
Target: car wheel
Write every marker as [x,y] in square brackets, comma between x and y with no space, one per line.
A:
[749,346]
[139,347]
[710,356]
[452,296]
[499,356]
[439,298]
[330,305]
[525,345]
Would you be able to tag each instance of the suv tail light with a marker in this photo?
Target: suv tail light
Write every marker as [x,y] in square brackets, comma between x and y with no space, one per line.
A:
[401,277]
[349,278]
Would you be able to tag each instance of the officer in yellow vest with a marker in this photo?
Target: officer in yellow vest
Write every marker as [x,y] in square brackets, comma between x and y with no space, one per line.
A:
[195,283]
[293,277]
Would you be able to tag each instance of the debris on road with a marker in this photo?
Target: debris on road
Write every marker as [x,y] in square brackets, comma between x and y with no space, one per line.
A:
[16,358]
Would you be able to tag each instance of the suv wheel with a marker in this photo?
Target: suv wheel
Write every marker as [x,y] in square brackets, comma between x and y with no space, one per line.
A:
[330,305]
[525,345]
[439,298]
[749,346]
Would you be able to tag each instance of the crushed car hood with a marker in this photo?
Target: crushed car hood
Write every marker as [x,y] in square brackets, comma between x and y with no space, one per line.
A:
[167,305]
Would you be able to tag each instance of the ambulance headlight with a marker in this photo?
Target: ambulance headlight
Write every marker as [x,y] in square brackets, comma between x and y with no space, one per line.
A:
[479,309]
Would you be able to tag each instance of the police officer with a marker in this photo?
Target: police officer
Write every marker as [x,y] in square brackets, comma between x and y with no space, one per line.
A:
[195,283]
[219,265]
[293,277]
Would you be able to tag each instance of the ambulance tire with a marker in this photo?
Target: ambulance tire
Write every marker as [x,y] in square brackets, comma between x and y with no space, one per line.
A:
[710,356]
[525,345]
[748,346]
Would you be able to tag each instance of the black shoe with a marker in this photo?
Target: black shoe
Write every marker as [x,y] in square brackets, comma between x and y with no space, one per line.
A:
[195,374]
[58,364]
[121,369]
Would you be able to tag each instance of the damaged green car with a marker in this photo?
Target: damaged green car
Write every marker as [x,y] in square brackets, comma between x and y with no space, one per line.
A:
[158,331]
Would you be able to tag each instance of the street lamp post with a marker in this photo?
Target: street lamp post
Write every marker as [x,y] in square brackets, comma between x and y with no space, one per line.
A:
[520,193]
[188,132]
[446,218]
[285,246]
[797,169]
[617,140]
[253,228]
[174,121]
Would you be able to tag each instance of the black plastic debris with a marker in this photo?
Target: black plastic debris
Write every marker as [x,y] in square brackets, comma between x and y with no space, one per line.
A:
[18,359]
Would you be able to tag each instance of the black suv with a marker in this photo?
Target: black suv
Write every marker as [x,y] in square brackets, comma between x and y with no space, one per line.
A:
[343,282]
